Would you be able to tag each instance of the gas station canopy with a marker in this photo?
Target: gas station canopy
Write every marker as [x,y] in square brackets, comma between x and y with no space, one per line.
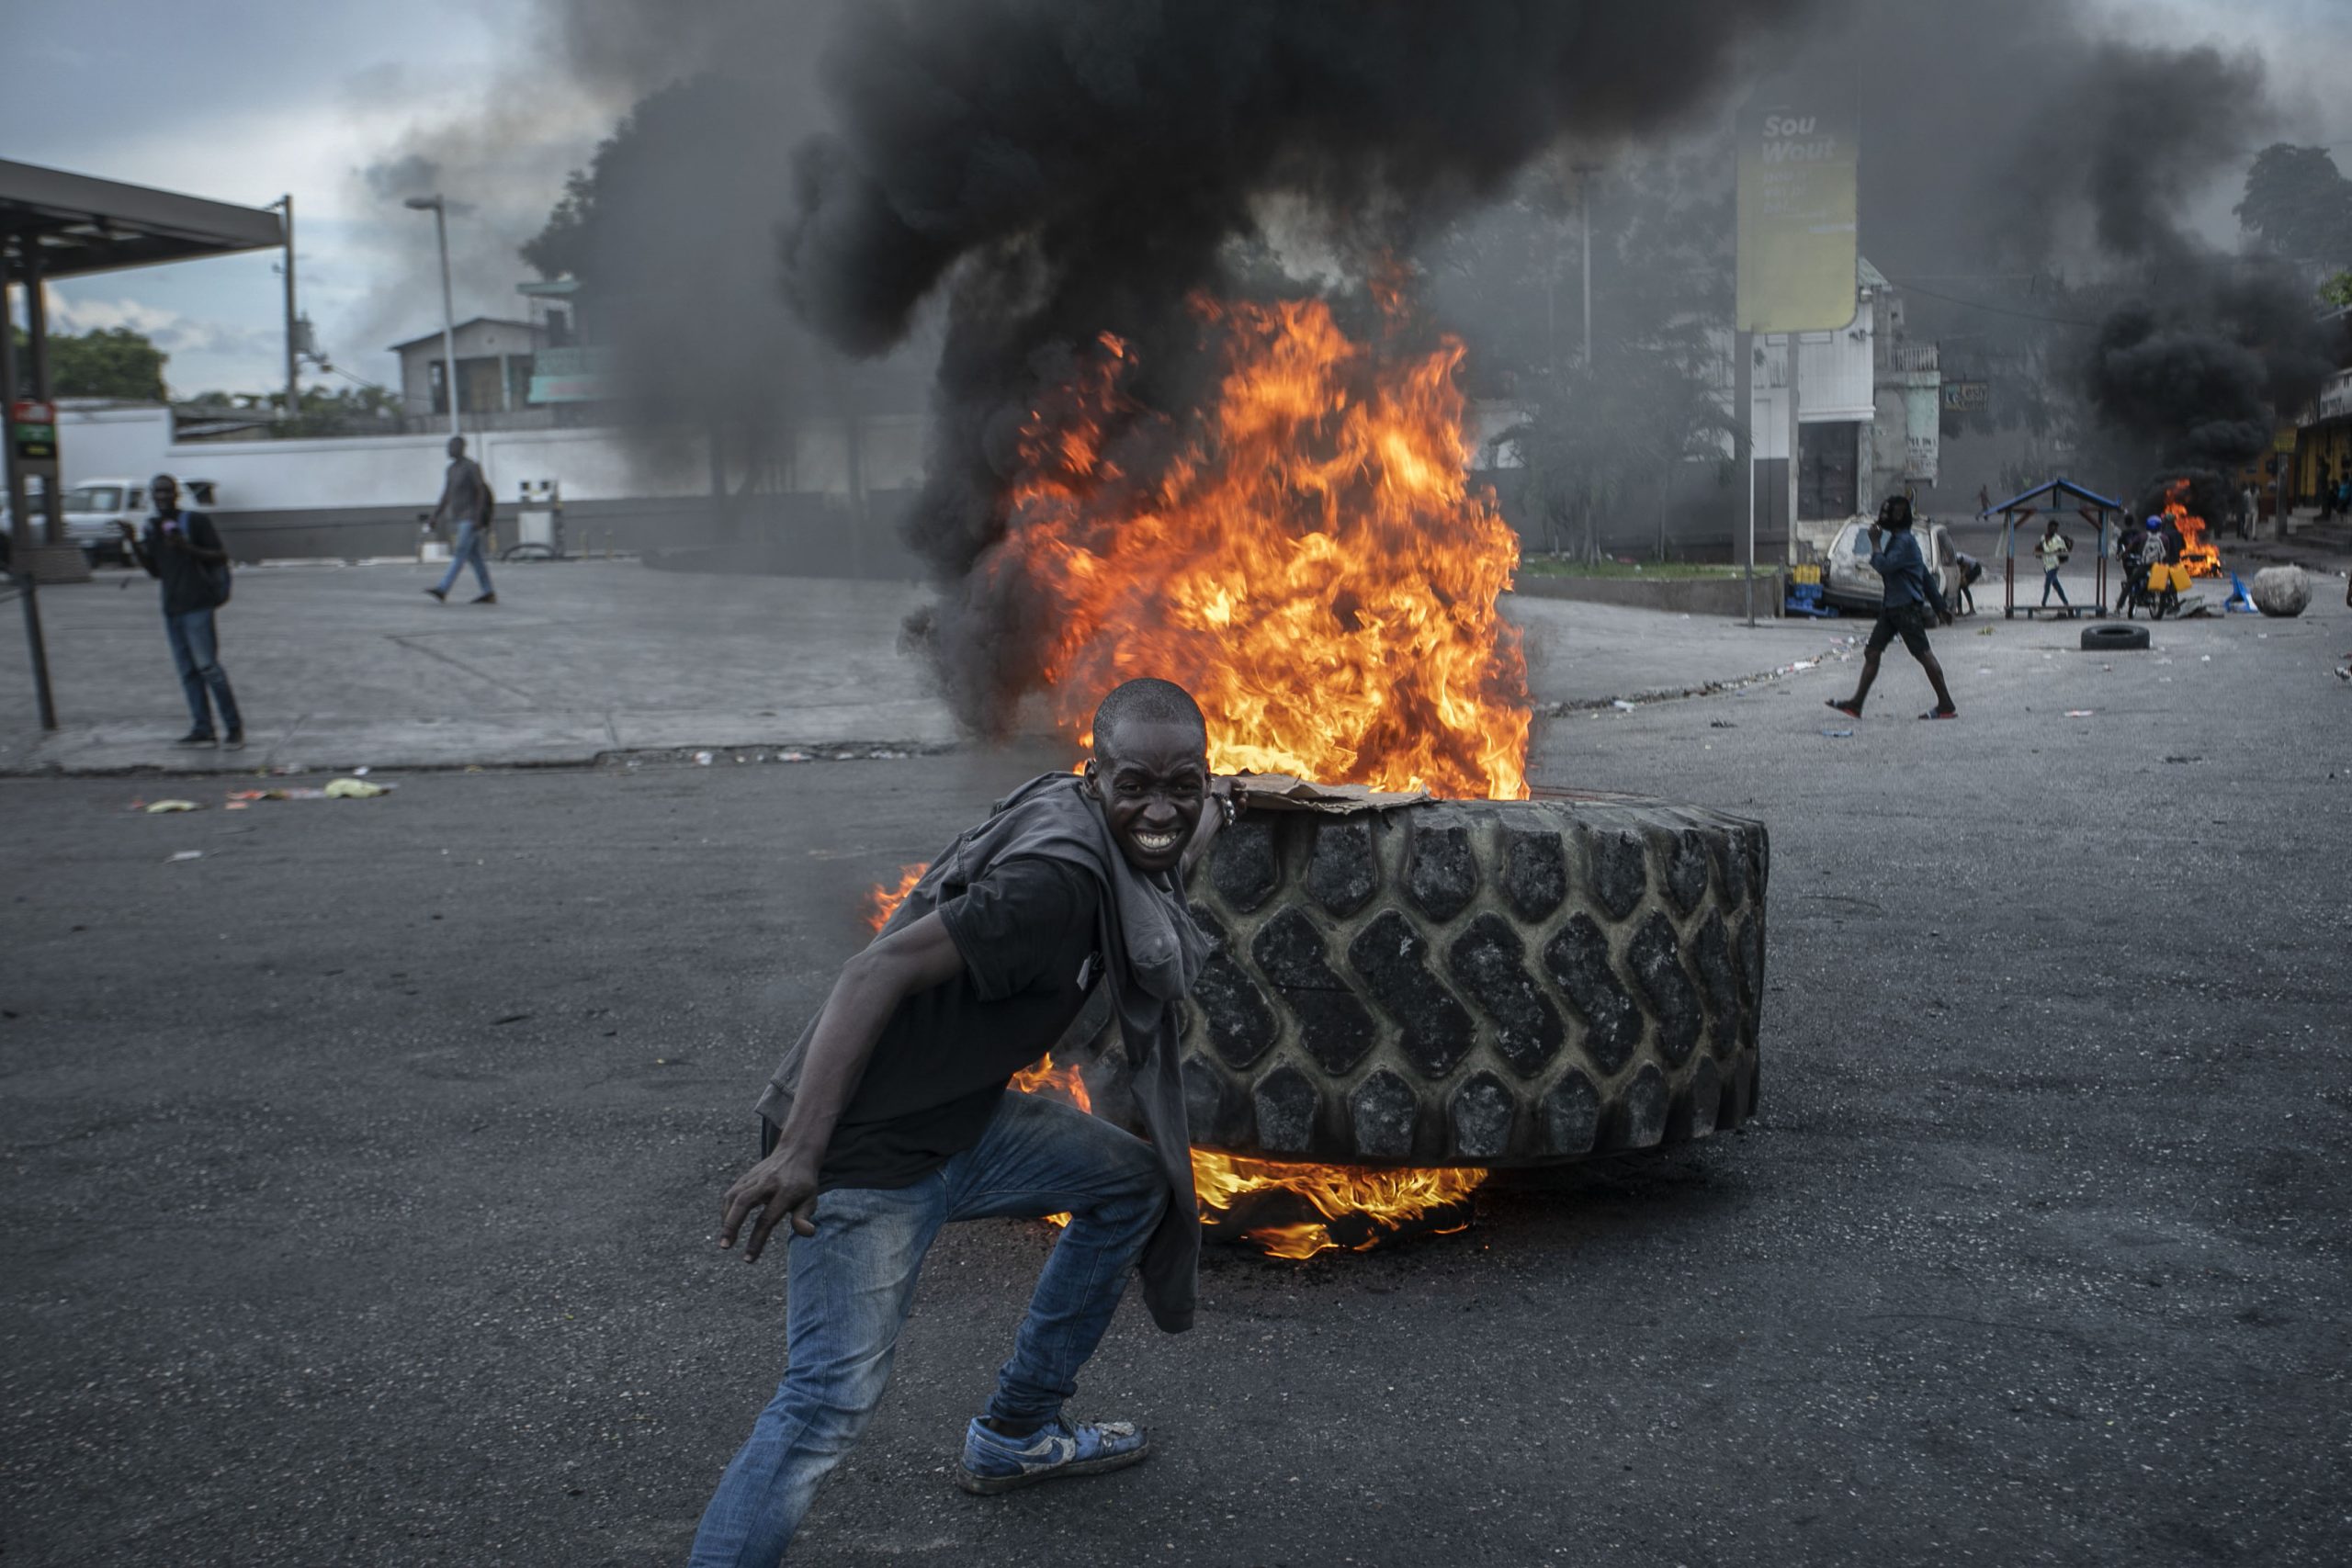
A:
[81,224]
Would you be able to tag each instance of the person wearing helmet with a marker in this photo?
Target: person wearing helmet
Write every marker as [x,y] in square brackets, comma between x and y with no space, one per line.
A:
[1913,596]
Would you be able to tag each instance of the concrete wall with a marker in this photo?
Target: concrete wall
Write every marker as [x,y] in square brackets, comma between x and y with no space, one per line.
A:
[810,536]
[1684,595]
[127,442]
[352,497]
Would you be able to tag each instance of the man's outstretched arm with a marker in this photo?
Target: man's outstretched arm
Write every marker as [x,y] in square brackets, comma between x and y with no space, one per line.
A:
[870,987]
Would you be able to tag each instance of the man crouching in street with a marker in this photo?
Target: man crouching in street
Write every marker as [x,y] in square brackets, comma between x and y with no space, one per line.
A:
[895,1119]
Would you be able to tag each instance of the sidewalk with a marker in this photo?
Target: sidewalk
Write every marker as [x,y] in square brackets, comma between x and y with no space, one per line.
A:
[340,667]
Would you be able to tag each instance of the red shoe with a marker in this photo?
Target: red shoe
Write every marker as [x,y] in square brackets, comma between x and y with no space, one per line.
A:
[1850,709]
[1940,712]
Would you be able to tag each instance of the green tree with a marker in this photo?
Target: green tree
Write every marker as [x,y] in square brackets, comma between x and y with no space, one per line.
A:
[113,362]
[2338,290]
[2299,204]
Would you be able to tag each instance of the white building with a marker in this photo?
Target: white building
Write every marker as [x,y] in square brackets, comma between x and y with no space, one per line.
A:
[495,364]
[1868,407]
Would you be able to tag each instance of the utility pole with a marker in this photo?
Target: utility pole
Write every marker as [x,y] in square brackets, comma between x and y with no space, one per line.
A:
[293,337]
[1743,398]
[439,210]
[1584,206]
[1788,546]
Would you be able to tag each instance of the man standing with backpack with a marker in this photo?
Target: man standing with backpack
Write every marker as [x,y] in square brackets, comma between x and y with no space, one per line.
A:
[465,500]
[183,550]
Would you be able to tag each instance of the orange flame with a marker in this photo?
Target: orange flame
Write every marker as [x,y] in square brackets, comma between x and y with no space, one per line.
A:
[883,902]
[1381,1201]
[2199,558]
[1311,564]
[1062,1083]
[1387,1199]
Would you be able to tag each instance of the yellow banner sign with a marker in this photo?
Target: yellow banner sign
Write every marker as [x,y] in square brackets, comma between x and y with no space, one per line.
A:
[1796,217]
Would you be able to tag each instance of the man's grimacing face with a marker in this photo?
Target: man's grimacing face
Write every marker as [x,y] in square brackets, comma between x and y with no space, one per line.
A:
[1153,779]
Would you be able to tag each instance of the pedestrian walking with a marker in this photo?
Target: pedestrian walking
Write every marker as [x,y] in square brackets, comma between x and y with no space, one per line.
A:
[2249,512]
[893,1118]
[466,500]
[2051,549]
[1912,595]
[182,551]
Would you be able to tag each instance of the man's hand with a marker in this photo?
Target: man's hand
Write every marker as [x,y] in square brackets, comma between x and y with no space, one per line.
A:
[130,530]
[1876,534]
[779,1185]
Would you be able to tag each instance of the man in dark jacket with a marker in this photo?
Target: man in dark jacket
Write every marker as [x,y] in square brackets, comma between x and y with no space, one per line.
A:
[1913,602]
[183,550]
[893,1118]
[465,501]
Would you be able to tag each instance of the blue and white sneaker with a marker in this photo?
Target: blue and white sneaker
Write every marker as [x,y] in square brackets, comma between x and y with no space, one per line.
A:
[993,1463]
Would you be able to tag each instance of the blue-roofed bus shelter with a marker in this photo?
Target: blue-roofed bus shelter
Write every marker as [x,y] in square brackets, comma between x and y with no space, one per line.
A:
[2050,496]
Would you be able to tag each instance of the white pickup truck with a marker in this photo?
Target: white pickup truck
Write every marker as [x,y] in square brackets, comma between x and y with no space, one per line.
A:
[93,507]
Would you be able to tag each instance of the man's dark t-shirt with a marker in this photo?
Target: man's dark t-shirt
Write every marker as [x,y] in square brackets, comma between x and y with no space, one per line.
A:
[187,584]
[1026,931]
[465,494]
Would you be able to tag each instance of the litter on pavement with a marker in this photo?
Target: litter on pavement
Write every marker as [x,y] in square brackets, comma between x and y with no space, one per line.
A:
[1839,734]
[185,855]
[336,789]
[156,808]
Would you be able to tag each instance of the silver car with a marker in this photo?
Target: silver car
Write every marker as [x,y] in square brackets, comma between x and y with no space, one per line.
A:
[94,508]
[1848,582]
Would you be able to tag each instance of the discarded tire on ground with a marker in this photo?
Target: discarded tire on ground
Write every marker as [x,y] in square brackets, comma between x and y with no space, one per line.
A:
[2114,636]
[1493,983]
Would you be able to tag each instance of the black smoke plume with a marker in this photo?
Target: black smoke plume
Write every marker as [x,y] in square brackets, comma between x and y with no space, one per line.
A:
[2056,143]
[2201,378]
[1062,168]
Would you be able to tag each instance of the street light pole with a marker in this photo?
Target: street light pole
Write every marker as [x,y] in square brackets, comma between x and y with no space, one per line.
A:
[1584,207]
[448,311]
[293,341]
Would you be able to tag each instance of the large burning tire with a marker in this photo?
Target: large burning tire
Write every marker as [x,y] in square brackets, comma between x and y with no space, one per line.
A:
[1514,982]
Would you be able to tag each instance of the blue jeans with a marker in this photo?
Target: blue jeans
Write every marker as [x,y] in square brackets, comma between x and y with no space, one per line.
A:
[470,547]
[2049,581]
[852,1283]
[196,649]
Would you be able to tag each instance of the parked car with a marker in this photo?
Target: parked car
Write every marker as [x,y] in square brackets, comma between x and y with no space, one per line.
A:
[95,507]
[1848,582]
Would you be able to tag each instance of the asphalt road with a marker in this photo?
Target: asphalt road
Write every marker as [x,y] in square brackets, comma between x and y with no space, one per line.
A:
[360,1175]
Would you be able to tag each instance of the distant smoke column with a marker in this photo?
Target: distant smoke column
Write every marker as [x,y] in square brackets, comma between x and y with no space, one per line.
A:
[1067,167]
[2199,375]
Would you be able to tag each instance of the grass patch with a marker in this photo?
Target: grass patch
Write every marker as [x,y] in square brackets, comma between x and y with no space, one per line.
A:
[1653,571]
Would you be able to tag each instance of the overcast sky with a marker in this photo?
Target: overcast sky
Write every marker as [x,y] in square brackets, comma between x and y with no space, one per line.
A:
[349,106]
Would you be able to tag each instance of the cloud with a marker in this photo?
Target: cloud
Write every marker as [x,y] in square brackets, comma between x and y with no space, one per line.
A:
[169,330]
